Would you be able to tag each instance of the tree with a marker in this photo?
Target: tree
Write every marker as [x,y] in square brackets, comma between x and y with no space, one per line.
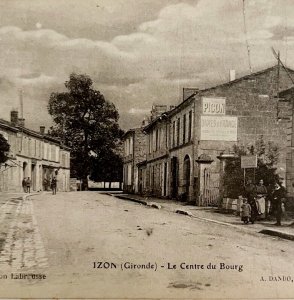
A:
[4,149]
[84,121]
[107,168]
[267,158]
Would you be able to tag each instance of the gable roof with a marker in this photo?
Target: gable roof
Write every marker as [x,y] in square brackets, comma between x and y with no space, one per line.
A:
[247,76]
[9,126]
[228,83]
[188,100]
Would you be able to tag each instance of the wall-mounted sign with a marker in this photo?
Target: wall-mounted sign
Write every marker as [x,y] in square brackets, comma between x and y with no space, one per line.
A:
[249,161]
[213,106]
[219,128]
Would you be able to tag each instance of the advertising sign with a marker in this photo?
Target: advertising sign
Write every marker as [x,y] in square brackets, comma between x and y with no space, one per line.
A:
[248,161]
[213,106]
[219,128]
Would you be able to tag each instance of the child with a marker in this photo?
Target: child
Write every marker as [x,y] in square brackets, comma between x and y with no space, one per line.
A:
[245,212]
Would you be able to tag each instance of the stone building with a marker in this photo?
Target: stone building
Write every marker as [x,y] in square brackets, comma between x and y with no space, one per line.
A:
[181,150]
[251,109]
[287,97]
[134,153]
[153,172]
[202,130]
[32,154]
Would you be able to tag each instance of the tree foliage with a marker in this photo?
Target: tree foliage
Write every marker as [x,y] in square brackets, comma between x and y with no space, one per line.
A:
[4,149]
[107,167]
[84,121]
[267,158]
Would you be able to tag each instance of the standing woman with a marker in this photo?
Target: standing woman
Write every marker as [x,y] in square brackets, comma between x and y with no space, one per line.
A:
[261,194]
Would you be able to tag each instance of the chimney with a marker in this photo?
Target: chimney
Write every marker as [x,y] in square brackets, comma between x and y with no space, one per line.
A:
[14,117]
[232,75]
[21,122]
[187,92]
[157,110]
[42,129]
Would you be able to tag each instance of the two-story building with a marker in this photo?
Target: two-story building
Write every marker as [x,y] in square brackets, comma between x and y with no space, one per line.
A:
[238,112]
[32,154]
[186,146]
[154,172]
[134,153]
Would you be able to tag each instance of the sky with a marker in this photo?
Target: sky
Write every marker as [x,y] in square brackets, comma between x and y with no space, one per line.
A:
[137,52]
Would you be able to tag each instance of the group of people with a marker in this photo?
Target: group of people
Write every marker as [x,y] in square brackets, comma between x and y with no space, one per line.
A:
[256,198]
[26,184]
[50,183]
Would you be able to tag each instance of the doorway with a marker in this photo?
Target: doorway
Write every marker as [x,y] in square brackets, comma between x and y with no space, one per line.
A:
[174,176]
[187,175]
[24,170]
[33,177]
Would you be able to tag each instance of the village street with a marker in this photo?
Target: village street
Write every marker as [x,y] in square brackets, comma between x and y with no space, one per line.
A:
[64,236]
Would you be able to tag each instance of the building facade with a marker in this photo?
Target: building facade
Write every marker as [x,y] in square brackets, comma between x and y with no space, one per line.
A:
[287,97]
[203,129]
[154,172]
[134,153]
[34,155]
[251,109]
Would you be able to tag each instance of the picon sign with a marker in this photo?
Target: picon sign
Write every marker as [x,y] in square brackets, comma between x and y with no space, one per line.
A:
[213,106]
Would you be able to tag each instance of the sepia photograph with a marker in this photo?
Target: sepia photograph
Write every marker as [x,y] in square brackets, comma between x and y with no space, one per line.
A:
[146,149]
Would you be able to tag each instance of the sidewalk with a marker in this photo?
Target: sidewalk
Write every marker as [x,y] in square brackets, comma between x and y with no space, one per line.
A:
[212,214]
[5,196]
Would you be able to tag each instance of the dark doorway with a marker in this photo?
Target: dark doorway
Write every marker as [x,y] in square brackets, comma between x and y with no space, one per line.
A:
[24,168]
[187,175]
[174,177]
[164,179]
[140,181]
[33,177]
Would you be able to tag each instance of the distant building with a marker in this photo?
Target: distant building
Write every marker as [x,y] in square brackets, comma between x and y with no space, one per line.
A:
[186,148]
[154,171]
[32,154]
[158,110]
[134,153]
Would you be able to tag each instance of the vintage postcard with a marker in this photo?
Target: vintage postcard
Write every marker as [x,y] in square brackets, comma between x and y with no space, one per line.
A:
[146,149]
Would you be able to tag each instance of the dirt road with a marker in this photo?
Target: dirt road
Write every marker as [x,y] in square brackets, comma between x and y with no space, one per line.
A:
[96,246]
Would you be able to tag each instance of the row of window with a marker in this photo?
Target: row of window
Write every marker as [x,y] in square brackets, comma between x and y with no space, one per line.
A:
[34,148]
[182,127]
[128,146]
[158,139]
[181,134]
[39,149]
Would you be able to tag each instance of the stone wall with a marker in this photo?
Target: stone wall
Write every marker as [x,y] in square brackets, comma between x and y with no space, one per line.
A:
[131,160]
[253,99]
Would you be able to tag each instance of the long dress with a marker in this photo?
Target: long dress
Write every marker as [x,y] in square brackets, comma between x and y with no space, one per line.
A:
[261,192]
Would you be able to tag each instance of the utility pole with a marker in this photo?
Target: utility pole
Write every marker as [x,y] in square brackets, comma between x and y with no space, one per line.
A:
[277,56]
[245,32]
